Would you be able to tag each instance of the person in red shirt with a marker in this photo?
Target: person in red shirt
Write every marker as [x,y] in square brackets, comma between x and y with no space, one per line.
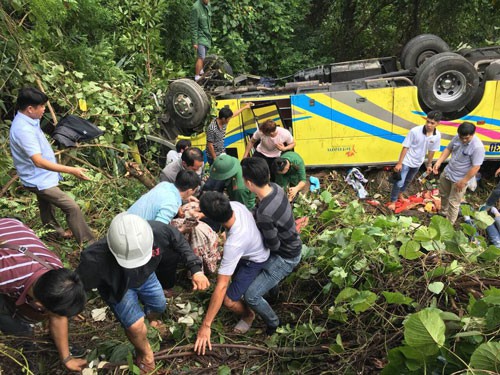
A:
[34,286]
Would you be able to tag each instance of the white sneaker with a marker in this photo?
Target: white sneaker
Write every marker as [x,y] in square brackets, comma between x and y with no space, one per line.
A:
[197,78]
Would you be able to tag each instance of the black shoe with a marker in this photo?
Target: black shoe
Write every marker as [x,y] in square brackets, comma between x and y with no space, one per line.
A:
[272,330]
[77,351]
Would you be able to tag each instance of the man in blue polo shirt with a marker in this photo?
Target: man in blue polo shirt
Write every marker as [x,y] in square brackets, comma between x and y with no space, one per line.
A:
[467,156]
[38,169]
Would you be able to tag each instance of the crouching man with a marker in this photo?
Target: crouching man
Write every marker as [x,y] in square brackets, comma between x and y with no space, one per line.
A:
[274,218]
[242,260]
[122,267]
[34,286]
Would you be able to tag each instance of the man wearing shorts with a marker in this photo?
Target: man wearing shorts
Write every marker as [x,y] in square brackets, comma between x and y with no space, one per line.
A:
[201,15]
[243,259]
[128,267]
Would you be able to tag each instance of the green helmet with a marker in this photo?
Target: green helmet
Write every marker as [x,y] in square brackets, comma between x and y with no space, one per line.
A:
[130,239]
[224,167]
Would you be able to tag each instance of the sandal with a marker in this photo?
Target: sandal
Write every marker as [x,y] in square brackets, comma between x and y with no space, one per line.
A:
[144,367]
[242,327]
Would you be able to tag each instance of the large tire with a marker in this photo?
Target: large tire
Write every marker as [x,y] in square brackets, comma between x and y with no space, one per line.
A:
[492,72]
[446,82]
[186,103]
[420,48]
[219,67]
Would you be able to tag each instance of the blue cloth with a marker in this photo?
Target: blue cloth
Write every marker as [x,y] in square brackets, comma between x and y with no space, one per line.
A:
[407,176]
[26,140]
[314,181]
[245,274]
[275,269]
[150,294]
[160,203]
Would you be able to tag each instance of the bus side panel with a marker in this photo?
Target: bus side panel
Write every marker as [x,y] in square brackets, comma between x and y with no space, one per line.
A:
[486,117]
[312,128]
[493,148]
[359,124]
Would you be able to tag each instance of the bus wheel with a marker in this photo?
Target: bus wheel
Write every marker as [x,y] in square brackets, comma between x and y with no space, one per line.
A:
[446,82]
[420,48]
[186,103]
[492,72]
[218,66]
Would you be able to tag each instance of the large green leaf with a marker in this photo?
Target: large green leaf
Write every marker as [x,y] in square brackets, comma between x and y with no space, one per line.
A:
[425,330]
[363,301]
[443,226]
[486,357]
[397,298]
[410,250]
[483,219]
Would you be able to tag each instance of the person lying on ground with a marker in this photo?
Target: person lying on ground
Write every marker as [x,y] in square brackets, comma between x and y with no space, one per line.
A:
[131,266]
[242,260]
[493,197]
[164,203]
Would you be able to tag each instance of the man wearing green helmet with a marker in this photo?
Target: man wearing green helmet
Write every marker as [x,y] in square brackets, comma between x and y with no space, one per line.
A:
[228,169]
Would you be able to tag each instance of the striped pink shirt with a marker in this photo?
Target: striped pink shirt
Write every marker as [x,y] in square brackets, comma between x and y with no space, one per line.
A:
[18,272]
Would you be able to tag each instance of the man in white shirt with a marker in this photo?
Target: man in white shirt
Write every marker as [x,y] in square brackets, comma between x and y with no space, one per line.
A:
[419,141]
[243,259]
[180,146]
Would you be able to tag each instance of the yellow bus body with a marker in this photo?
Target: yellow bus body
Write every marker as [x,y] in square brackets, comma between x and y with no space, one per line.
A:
[355,127]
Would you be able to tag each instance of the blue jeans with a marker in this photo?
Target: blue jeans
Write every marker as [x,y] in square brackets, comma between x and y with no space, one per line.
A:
[407,176]
[128,310]
[493,232]
[245,274]
[494,196]
[275,270]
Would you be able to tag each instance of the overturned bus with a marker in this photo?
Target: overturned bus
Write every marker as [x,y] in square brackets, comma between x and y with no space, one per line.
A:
[354,113]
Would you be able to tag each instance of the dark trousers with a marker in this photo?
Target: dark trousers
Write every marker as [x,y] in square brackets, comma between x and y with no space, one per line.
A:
[9,323]
[55,197]
[269,162]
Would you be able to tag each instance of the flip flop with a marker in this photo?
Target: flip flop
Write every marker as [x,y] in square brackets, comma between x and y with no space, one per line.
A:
[144,367]
[242,327]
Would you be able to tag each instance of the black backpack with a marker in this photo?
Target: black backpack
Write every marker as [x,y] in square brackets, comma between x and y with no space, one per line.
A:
[72,129]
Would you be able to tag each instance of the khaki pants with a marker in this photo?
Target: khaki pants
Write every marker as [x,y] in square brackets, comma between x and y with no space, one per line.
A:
[450,198]
[54,196]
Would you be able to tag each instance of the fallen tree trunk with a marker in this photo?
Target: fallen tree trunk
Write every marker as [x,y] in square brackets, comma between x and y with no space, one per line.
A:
[141,173]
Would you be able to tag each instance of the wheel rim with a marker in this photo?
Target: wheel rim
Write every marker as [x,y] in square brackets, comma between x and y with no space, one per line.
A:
[183,105]
[449,86]
[424,56]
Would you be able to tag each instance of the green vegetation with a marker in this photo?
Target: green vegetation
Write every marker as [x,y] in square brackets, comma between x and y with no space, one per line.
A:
[372,291]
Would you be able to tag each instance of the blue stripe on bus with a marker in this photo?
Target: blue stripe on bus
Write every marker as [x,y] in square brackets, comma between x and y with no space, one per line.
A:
[302,101]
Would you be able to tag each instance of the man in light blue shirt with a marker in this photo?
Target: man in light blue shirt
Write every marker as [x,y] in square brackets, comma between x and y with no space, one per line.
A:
[163,201]
[38,169]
